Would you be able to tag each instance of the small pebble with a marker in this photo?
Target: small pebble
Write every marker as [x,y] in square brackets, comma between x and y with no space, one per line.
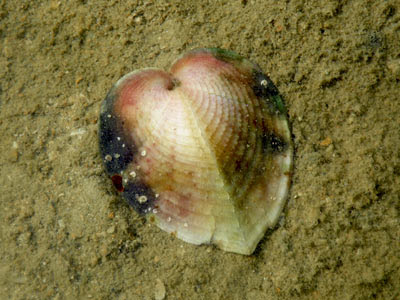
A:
[159,292]
[326,142]
[61,223]
[14,155]
[111,230]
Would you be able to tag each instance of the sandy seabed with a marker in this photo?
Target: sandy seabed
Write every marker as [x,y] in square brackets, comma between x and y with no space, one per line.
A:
[66,234]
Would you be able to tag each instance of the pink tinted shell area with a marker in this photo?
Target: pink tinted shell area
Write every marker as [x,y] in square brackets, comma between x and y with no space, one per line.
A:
[136,87]
[199,65]
[202,66]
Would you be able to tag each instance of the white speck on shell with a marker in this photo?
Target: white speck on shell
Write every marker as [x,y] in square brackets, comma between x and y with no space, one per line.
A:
[142,199]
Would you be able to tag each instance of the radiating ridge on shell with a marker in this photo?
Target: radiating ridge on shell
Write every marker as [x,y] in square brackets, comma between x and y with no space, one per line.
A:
[205,150]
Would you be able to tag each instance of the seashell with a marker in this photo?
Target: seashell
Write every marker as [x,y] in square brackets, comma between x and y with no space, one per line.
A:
[204,151]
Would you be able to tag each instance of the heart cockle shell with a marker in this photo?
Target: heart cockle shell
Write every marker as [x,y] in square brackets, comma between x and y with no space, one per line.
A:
[204,150]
